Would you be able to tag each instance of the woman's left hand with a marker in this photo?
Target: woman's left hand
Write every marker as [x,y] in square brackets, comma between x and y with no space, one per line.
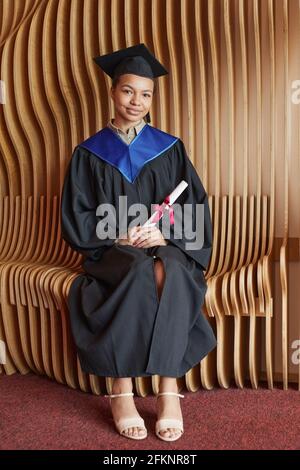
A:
[148,237]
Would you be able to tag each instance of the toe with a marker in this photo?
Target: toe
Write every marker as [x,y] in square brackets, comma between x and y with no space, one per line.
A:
[142,432]
[134,432]
[176,432]
[170,432]
[165,433]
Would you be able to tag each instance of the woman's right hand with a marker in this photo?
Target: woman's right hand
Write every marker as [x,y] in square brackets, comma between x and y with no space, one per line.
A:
[129,237]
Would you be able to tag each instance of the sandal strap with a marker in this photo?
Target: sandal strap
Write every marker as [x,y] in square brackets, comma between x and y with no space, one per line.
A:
[129,394]
[170,393]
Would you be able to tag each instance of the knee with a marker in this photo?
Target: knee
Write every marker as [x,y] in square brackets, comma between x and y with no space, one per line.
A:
[159,274]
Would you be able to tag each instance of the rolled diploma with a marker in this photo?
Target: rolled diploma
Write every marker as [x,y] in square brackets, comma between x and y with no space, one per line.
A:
[172,198]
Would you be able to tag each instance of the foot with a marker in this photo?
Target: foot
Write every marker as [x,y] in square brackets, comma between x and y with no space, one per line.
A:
[124,407]
[168,406]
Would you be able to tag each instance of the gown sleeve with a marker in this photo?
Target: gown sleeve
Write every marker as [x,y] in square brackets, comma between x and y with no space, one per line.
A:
[194,194]
[78,207]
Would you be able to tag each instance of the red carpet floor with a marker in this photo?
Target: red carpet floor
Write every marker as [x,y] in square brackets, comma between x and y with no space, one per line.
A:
[37,413]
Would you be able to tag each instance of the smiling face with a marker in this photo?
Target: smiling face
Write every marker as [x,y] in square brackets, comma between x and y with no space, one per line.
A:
[132,96]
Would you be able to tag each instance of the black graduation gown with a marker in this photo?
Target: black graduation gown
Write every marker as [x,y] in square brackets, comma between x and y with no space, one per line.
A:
[119,325]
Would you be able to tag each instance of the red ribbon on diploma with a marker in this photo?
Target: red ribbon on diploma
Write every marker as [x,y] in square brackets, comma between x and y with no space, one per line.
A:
[160,209]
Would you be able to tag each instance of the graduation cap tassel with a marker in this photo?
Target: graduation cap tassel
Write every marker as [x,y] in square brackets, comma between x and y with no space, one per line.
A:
[148,119]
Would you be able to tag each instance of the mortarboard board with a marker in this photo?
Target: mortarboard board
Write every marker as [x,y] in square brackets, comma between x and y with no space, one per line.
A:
[137,60]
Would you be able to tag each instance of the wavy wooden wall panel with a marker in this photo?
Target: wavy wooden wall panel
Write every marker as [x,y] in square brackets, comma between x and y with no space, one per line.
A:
[227,95]
[284,248]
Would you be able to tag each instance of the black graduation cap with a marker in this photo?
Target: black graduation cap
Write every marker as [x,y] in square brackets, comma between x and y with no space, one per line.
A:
[137,60]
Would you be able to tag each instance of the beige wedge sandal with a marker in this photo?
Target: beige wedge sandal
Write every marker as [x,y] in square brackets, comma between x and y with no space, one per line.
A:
[164,423]
[125,423]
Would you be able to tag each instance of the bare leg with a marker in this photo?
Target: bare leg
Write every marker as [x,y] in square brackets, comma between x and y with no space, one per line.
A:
[124,406]
[167,405]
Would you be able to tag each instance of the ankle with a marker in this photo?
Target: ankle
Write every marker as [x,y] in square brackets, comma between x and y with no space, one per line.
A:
[168,385]
[122,385]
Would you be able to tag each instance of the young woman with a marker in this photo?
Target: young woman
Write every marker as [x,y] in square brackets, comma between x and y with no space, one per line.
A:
[136,309]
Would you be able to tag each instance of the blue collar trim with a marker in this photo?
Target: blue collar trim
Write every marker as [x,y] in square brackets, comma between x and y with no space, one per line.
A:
[148,144]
